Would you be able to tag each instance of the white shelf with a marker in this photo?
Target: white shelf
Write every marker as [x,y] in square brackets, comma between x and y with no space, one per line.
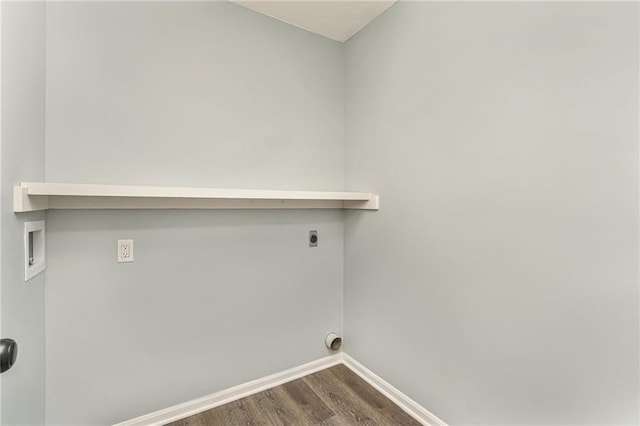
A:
[32,196]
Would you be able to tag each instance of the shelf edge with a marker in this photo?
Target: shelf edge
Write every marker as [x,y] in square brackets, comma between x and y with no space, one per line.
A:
[45,196]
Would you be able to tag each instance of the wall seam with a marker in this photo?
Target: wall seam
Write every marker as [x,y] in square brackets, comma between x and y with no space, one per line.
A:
[344,186]
[46,213]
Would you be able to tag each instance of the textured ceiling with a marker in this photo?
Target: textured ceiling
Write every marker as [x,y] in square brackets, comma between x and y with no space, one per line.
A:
[335,19]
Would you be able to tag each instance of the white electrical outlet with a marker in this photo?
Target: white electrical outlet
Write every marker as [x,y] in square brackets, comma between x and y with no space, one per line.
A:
[125,251]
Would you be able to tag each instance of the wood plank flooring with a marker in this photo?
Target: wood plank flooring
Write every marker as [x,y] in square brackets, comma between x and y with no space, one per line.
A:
[332,397]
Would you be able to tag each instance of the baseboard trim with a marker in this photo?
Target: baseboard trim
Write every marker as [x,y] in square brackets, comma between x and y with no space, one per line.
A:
[217,399]
[189,408]
[407,404]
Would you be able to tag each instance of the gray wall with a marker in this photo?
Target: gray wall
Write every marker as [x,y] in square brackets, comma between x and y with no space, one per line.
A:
[191,94]
[22,154]
[500,273]
[498,284]
[203,94]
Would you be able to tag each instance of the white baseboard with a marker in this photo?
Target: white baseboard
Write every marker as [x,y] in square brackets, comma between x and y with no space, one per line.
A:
[407,404]
[189,408]
[217,399]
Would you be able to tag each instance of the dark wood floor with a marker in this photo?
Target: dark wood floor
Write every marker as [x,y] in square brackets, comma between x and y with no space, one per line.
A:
[335,396]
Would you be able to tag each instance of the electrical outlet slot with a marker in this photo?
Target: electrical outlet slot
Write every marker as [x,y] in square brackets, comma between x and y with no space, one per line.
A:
[125,251]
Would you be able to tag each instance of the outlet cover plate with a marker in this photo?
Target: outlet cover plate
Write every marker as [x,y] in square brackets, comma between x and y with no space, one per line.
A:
[125,251]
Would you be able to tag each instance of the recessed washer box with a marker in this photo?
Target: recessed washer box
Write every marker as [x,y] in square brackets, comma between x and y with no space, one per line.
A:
[34,249]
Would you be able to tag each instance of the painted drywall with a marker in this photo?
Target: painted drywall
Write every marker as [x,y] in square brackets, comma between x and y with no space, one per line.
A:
[22,157]
[201,94]
[337,20]
[498,283]
[196,94]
